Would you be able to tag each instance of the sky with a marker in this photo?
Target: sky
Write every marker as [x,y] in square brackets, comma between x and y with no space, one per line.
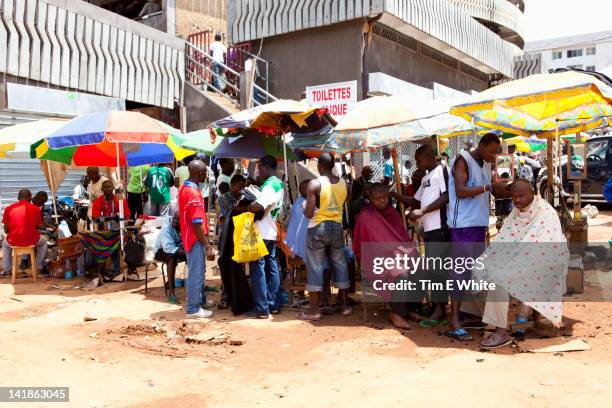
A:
[559,18]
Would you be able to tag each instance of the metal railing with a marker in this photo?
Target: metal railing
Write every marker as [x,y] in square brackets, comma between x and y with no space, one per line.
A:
[223,78]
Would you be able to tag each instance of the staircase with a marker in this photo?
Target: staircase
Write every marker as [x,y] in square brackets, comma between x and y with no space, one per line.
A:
[200,75]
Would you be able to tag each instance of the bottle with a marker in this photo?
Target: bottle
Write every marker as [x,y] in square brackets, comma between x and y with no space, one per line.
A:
[80,266]
[68,270]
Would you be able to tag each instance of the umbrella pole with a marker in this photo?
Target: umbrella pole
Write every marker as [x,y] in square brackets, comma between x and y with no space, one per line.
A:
[121,211]
[398,183]
[285,163]
[52,186]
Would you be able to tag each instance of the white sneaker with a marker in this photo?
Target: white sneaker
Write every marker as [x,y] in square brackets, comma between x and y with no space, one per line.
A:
[200,314]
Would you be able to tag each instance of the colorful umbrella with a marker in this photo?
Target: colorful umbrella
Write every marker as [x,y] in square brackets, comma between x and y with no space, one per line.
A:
[386,120]
[200,141]
[274,119]
[15,140]
[525,144]
[245,147]
[114,147]
[573,101]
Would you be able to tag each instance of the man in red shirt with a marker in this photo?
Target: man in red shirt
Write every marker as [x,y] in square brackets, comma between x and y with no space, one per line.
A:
[194,227]
[21,222]
[105,208]
[107,205]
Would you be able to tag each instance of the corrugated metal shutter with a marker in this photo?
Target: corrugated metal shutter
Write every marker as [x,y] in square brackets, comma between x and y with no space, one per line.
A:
[18,174]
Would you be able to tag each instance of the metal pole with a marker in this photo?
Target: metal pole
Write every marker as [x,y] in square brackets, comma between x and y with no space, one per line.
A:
[398,183]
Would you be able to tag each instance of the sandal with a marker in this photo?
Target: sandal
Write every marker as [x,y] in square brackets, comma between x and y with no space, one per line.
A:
[495,341]
[173,300]
[327,310]
[347,311]
[459,334]
[431,323]
[308,317]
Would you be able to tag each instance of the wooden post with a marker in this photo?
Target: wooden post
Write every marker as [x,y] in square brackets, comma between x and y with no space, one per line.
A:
[398,183]
[577,199]
[550,169]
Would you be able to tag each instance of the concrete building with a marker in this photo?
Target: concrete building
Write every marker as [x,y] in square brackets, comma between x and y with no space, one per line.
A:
[590,52]
[459,44]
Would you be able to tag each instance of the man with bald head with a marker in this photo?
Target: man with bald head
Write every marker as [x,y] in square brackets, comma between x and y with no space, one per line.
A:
[324,204]
[21,223]
[194,230]
[527,260]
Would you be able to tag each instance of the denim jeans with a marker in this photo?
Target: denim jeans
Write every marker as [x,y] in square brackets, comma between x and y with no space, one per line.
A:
[7,255]
[217,80]
[265,282]
[196,262]
[326,239]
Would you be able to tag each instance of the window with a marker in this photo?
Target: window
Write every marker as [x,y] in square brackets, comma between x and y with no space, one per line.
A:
[590,68]
[557,55]
[591,51]
[574,53]
[579,66]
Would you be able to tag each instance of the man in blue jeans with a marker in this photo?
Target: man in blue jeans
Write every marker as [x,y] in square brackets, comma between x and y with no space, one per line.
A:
[265,276]
[194,227]
[324,205]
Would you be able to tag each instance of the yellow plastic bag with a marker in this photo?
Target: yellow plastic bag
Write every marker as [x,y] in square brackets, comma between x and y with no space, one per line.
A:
[248,244]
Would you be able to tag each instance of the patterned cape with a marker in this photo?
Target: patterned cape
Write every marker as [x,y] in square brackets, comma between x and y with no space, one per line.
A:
[529,259]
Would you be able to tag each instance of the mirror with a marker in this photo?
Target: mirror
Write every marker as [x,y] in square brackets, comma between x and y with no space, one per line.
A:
[576,161]
[504,167]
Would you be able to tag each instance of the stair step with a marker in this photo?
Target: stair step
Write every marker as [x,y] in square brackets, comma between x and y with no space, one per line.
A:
[227,104]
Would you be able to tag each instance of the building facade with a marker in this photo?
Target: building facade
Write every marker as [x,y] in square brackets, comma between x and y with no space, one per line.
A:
[589,52]
[460,44]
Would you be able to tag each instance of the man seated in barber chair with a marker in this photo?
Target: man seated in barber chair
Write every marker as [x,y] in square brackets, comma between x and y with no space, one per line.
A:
[105,214]
[169,249]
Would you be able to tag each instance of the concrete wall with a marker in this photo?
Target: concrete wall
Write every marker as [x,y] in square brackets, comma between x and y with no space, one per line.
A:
[200,110]
[400,62]
[313,57]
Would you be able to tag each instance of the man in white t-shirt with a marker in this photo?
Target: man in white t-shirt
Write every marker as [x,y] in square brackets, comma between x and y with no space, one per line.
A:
[94,189]
[429,207]
[218,51]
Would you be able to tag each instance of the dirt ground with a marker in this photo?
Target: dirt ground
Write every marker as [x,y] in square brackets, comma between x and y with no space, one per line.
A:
[140,353]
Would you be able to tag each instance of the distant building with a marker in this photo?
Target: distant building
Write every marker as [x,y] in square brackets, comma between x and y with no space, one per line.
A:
[386,46]
[590,52]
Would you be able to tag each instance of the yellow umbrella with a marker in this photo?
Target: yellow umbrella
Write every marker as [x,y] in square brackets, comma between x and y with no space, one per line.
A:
[15,140]
[544,105]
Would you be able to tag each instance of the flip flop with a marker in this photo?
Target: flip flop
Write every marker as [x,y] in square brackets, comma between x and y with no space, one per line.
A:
[459,334]
[347,311]
[173,300]
[307,317]
[431,323]
[327,310]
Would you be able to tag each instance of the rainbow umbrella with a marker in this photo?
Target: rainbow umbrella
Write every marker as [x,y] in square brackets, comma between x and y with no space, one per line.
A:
[111,139]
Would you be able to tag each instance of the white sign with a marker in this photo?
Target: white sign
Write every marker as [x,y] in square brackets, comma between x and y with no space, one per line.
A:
[337,98]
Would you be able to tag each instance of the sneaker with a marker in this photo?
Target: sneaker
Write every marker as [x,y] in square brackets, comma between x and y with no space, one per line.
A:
[254,315]
[209,303]
[200,314]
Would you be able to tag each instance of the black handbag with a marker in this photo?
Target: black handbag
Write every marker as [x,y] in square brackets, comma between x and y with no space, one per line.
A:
[135,252]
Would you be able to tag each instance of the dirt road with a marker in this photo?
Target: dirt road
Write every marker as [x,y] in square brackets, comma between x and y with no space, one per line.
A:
[139,353]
